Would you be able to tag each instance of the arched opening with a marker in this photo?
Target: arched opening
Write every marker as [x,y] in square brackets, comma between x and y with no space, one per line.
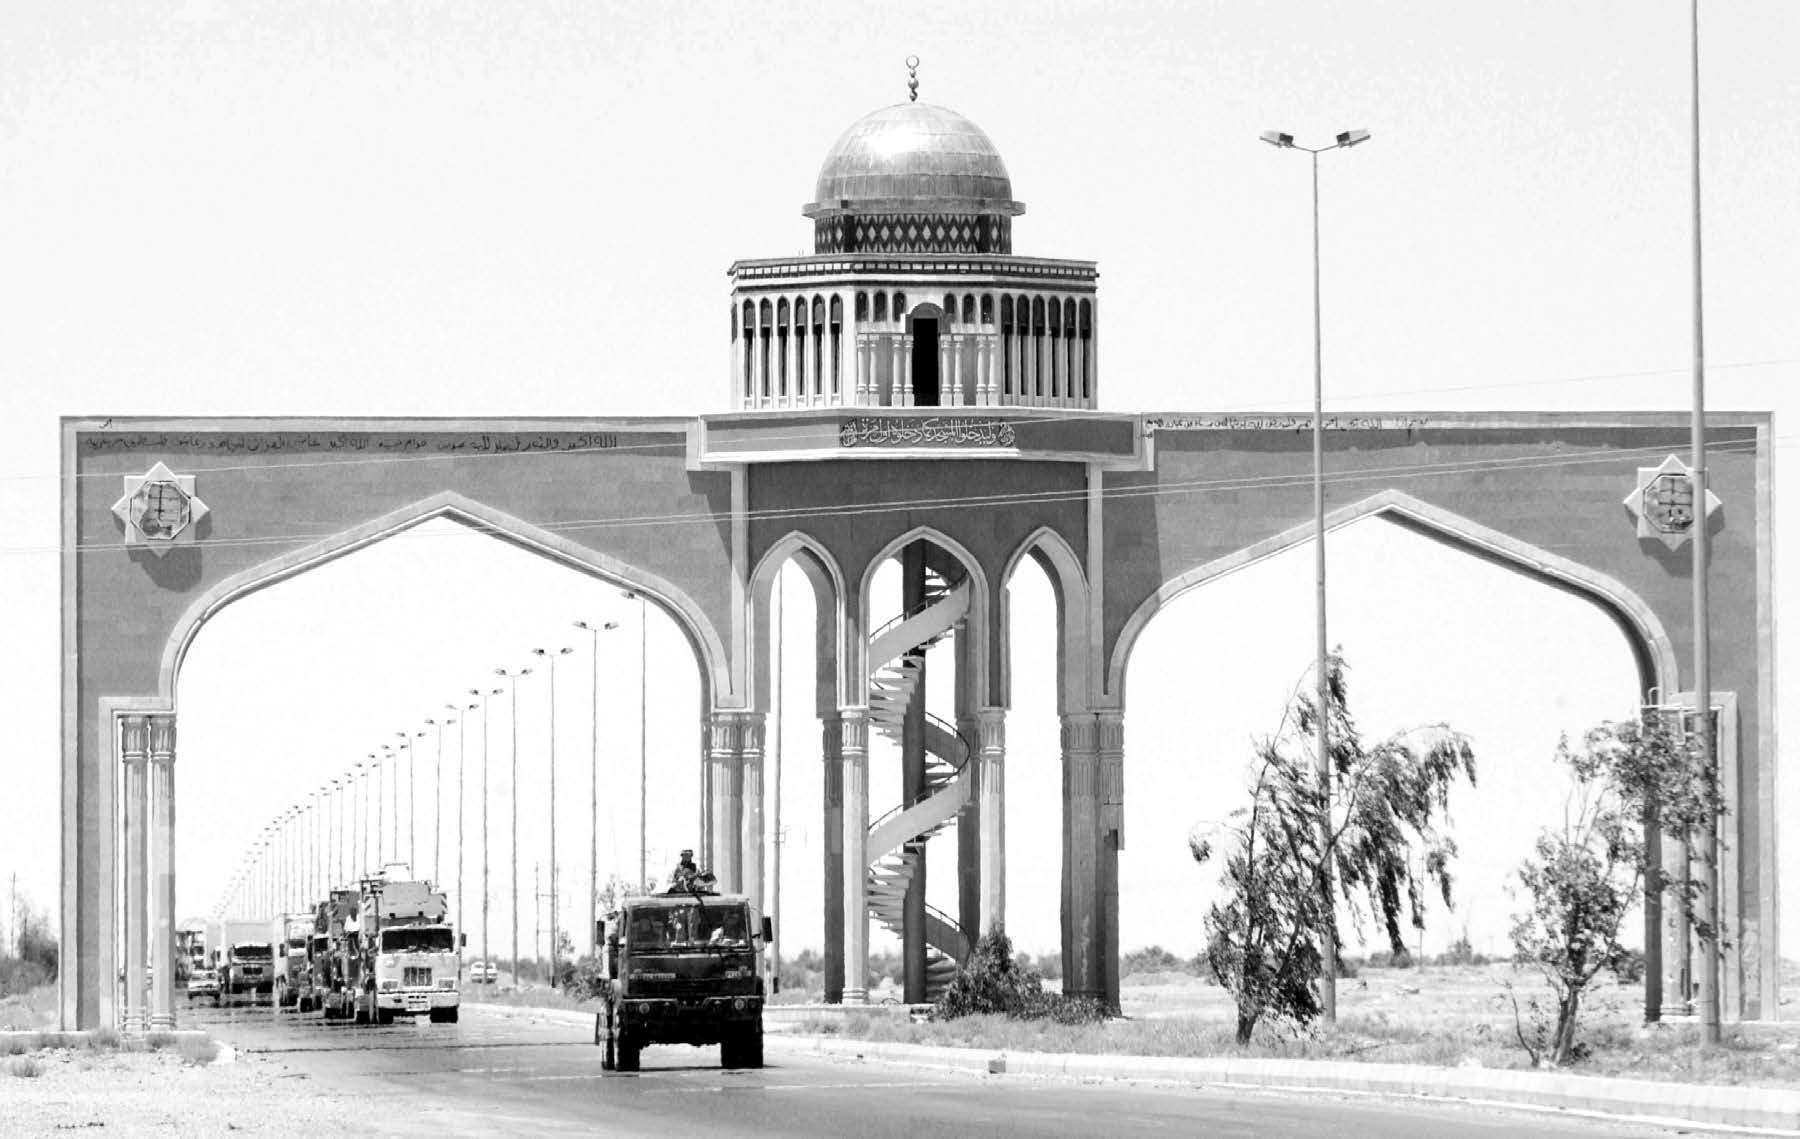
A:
[1034,795]
[385,655]
[923,323]
[1431,633]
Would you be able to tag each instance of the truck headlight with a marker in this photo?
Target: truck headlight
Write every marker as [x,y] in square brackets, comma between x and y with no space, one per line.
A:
[446,983]
[388,985]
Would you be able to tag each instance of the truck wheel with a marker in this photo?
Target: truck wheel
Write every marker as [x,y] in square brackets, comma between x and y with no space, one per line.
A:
[753,1052]
[628,1054]
[384,1016]
[609,1050]
[443,1015]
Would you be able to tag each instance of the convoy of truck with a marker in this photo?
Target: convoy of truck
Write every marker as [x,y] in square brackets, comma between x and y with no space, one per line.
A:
[685,966]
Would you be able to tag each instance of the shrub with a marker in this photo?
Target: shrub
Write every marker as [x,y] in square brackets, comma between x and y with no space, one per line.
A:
[992,982]
[26,1067]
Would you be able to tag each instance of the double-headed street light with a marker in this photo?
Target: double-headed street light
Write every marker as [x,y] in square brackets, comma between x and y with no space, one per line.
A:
[1327,935]
[462,724]
[437,804]
[412,801]
[643,737]
[594,787]
[555,953]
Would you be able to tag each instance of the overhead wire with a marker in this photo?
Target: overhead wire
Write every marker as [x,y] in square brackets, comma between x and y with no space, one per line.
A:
[1073,494]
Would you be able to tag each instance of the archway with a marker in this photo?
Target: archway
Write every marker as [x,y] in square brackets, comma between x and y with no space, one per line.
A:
[294,719]
[1430,634]
[925,323]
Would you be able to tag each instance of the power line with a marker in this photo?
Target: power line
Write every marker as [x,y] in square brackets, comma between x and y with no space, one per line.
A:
[1071,495]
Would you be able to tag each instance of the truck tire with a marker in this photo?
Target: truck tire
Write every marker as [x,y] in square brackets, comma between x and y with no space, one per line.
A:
[609,1049]
[753,1050]
[444,1015]
[384,1016]
[628,1053]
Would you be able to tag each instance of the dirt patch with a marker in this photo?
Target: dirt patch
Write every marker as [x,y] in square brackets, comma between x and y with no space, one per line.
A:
[165,1093]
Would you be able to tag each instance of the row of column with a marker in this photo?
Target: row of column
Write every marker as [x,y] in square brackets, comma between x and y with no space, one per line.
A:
[732,836]
[782,369]
[1047,369]
[147,749]
[1003,370]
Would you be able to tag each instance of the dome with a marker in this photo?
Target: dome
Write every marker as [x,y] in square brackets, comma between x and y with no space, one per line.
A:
[914,158]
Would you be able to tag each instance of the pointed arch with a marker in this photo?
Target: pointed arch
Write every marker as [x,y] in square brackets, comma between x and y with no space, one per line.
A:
[1657,664]
[709,650]
[1068,579]
[855,665]
[827,579]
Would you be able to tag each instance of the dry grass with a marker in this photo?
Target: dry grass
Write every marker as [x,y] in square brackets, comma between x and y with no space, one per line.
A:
[34,1009]
[1442,1016]
[25,1067]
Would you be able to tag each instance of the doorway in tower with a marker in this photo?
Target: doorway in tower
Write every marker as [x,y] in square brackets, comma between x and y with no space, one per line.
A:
[925,378]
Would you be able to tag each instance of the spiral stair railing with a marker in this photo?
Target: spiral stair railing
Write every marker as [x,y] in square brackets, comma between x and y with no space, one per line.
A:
[896,656]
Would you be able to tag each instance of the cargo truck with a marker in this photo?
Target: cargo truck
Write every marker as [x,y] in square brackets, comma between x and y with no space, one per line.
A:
[408,952]
[246,962]
[337,964]
[682,967]
[292,937]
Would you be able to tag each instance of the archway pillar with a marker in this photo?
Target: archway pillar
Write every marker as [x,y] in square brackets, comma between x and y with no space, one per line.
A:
[854,750]
[1081,912]
[750,830]
[832,751]
[162,871]
[990,799]
[1110,730]
[721,799]
[134,751]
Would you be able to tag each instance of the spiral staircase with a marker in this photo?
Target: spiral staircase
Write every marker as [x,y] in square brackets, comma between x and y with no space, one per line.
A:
[896,661]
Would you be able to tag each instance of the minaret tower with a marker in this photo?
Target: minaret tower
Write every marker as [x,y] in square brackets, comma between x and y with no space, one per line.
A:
[912,296]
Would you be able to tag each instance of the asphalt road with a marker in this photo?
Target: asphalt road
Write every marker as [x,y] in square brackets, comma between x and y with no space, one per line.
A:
[500,1073]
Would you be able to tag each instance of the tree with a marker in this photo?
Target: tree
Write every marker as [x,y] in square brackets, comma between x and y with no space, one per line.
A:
[1263,938]
[1583,879]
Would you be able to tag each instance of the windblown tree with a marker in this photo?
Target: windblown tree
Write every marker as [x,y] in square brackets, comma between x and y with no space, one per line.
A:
[1583,878]
[1381,811]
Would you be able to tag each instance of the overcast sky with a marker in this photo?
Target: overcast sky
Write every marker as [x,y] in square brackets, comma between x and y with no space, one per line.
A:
[485,209]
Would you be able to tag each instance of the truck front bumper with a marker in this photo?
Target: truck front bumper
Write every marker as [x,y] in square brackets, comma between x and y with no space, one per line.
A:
[417,1000]
[696,1020]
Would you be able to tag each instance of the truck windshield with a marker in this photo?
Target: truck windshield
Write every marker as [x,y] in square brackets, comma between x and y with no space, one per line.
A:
[252,952]
[419,939]
[686,926]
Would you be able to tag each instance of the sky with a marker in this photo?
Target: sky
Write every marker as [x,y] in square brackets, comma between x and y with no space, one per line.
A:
[483,209]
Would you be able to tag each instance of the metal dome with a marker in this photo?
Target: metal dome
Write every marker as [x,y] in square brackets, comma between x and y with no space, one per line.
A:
[914,157]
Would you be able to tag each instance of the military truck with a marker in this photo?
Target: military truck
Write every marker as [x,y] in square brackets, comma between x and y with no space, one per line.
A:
[291,935]
[337,957]
[682,967]
[409,952]
[246,962]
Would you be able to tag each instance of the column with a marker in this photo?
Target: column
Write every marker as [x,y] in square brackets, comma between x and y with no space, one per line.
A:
[723,797]
[968,830]
[162,861]
[902,386]
[1677,939]
[751,836]
[991,802]
[134,742]
[740,358]
[759,364]
[1110,725]
[1081,903]
[831,730]
[855,768]
[950,370]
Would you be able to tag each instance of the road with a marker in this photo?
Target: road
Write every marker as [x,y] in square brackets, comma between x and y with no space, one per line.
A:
[512,1072]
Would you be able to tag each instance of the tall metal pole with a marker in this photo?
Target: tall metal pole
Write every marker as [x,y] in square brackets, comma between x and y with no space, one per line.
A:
[486,957]
[462,750]
[594,632]
[643,745]
[380,778]
[1327,933]
[1709,942]
[555,950]
[513,688]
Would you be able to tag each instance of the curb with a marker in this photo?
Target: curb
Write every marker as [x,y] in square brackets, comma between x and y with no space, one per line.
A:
[1773,1111]
[1770,1110]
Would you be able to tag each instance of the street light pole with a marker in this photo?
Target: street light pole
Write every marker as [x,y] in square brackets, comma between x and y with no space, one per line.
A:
[513,686]
[1709,941]
[380,779]
[594,787]
[485,955]
[643,741]
[437,805]
[412,802]
[462,750]
[555,954]
[1321,664]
